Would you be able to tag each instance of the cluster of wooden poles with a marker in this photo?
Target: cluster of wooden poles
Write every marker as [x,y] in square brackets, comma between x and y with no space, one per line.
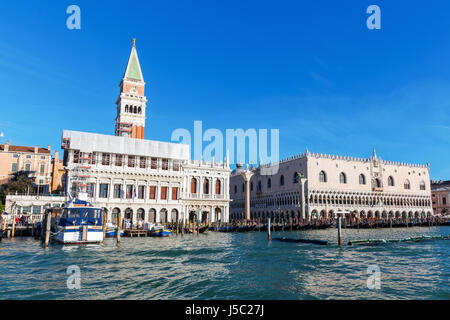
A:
[9,230]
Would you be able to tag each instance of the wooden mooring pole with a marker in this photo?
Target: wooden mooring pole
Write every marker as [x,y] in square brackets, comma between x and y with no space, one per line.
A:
[119,222]
[339,231]
[47,229]
[2,229]
[104,225]
[13,227]
[33,226]
[268,230]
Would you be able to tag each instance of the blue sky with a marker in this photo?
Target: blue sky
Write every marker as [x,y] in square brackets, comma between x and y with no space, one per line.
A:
[311,69]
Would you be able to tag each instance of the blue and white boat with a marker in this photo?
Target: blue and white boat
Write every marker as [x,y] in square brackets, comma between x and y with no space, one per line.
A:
[156,230]
[111,231]
[79,223]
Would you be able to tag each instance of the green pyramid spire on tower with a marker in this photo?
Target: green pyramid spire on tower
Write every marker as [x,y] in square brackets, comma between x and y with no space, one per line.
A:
[133,70]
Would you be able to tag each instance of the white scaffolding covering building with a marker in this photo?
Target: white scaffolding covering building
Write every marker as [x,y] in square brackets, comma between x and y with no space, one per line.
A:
[145,180]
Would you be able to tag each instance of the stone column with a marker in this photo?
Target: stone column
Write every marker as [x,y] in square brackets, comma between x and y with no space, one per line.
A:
[302,197]
[247,176]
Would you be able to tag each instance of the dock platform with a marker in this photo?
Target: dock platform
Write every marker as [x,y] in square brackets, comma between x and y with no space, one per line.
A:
[135,233]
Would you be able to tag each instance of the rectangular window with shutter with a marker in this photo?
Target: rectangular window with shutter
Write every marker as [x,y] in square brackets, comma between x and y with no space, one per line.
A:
[118,160]
[154,163]
[174,193]
[130,190]
[142,162]
[131,161]
[163,193]
[141,192]
[165,164]
[117,191]
[152,192]
[90,190]
[103,190]
[105,159]
[76,156]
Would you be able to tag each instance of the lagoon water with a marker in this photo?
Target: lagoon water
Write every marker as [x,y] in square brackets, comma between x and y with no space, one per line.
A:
[231,266]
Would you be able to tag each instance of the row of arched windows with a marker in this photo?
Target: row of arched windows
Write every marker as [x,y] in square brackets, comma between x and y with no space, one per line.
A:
[269,183]
[133,109]
[294,200]
[206,186]
[320,199]
[362,180]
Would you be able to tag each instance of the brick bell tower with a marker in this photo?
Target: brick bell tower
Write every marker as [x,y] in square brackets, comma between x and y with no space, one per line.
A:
[131,104]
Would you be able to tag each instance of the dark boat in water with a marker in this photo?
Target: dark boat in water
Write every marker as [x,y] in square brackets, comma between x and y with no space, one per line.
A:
[324,226]
[278,227]
[312,241]
[305,227]
[188,230]
[221,228]
[244,228]
[201,229]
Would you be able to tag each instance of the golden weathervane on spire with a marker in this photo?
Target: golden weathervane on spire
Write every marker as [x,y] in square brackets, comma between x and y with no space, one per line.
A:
[134,41]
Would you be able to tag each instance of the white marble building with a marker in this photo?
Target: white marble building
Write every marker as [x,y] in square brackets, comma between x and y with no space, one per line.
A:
[144,179]
[369,187]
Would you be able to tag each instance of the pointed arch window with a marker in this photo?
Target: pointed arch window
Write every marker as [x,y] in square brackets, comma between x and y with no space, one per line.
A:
[269,183]
[390,181]
[282,180]
[407,185]
[362,179]
[251,186]
[322,176]
[342,178]
[422,185]
[377,183]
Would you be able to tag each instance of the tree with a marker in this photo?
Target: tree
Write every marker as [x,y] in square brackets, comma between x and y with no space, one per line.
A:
[20,183]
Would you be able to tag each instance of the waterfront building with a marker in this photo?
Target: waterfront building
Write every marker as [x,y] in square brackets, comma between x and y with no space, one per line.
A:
[136,178]
[440,195]
[58,175]
[34,160]
[313,186]
[144,179]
